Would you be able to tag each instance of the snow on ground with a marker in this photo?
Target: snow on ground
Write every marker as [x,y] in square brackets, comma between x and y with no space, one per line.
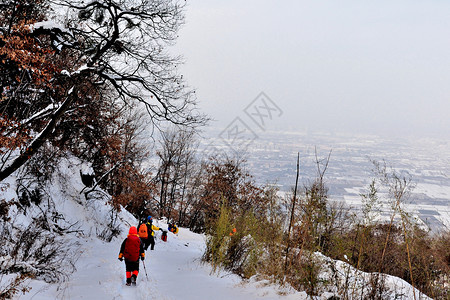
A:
[433,190]
[174,272]
[174,268]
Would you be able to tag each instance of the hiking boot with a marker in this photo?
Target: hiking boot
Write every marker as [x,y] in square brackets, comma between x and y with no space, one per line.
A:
[133,279]
[128,282]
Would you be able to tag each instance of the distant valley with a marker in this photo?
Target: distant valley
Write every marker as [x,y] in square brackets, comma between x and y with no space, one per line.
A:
[271,158]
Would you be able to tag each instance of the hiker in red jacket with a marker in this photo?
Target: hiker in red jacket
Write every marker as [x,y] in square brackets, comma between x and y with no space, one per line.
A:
[131,249]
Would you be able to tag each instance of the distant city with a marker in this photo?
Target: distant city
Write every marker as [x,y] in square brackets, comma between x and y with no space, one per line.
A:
[272,157]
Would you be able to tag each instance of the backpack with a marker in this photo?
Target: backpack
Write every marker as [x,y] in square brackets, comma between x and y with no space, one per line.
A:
[132,248]
[164,236]
[173,228]
[143,231]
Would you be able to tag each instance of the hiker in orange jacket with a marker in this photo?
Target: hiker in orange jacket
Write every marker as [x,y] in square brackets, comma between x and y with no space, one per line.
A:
[132,249]
[150,240]
[143,234]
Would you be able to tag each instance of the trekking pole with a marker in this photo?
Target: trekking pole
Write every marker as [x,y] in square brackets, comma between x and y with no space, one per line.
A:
[145,269]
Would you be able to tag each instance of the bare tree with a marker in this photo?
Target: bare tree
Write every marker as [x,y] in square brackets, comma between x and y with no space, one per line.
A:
[177,157]
[189,209]
[95,50]
[399,188]
[291,221]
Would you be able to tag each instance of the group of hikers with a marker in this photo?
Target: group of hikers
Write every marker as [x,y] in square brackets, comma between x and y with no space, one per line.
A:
[137,242]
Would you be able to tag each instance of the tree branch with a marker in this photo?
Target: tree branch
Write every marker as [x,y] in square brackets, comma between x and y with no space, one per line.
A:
[40,139]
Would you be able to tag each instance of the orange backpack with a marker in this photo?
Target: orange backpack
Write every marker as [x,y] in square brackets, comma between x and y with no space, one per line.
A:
[143,231]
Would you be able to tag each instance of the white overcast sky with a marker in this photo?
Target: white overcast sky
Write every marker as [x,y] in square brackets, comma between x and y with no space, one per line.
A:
[379,67]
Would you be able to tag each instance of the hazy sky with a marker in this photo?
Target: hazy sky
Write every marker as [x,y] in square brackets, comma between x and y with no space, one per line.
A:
[357,66]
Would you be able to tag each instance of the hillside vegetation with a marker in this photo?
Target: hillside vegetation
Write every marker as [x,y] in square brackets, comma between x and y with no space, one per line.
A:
[89,91]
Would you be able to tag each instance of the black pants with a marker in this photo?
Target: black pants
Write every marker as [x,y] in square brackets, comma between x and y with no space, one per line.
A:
[149,241]
[131,266]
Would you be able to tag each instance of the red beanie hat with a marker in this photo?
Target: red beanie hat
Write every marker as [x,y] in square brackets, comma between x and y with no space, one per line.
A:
[133,230]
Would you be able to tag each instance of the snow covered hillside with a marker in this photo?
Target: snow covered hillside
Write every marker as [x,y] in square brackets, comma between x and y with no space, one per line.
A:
[174,272]
[174,269]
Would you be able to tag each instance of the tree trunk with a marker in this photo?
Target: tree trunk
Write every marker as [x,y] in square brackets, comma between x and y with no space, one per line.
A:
[292,214]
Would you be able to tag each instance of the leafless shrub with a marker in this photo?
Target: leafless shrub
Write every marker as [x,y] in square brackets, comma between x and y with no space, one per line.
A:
[40,254]
[304,272]
[377,287]
[13,286]
[112,229]
[4,210]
